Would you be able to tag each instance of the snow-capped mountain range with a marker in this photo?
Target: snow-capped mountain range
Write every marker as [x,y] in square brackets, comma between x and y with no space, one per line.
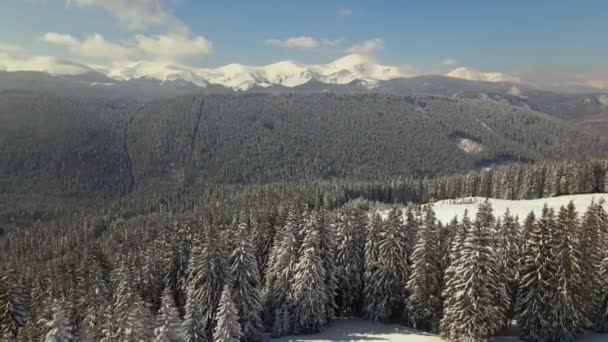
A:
[243,77]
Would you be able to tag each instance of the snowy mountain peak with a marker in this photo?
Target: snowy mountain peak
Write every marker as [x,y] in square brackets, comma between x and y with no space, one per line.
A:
[242,77]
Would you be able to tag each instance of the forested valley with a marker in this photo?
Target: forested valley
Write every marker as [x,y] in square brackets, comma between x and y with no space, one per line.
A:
[243,217]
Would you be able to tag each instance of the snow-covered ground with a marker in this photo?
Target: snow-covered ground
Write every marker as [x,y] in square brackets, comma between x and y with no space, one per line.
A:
[357,330]
[447,209]
[346,330]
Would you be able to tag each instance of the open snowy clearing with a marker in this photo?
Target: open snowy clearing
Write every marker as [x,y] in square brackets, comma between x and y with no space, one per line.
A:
[446,210]
[357,330]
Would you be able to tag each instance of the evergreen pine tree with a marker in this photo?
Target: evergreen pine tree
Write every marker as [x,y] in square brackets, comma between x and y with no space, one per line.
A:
[327,236]
[569,304]
[471,312]
[308,285]
[451,277]
[227,328]
[169,327]
[591,237]
[246,286]
[537,290]
[424,285]
[129,319]
[40,312]
[372,295]
[13,310]
[94,296]
[392,270]
[278,292]
[58,328]
[508,256]
[208,273]
[350,263]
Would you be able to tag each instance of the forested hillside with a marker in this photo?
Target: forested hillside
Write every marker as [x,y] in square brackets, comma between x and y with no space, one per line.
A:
[106,148]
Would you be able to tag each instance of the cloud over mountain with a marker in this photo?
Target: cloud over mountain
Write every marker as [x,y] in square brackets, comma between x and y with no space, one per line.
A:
[476,75]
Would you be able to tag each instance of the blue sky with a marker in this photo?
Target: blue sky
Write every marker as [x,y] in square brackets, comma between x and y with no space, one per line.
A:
[540,38]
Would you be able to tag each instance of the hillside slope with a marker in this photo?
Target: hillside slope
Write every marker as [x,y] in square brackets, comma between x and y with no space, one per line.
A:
[99,147]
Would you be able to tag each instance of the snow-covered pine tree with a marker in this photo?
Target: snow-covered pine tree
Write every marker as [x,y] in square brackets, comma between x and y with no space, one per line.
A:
[13,311]
[451,280]
[40,311]
[349,264]
[169,325]
[569,302]
[424,285]
[602,323]
[278,300]
[372,296]
[508,256]
[246,286]
[537,290]
[208,273]
[308,284]
[411,229]
[472,313]
[94,296]
[129,318]
[227,327]
[591,242]
[327,236]
[392,269]
[58,328]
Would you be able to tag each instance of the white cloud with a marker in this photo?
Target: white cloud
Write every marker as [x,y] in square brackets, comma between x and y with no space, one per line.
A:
[476,75]
[170,47]
[367,47]
[134,14]
[13,62]
[302,42]
[345,12]
[10,48]
[93,46]
[174,46]
[449,61]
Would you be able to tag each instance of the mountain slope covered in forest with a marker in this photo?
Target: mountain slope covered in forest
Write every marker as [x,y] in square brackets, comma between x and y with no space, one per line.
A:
[102,147]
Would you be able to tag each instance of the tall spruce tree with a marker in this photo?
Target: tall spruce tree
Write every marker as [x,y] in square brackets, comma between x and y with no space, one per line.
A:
[58,328]
[246,290]
[208,273]
[327,236]
[591,242]
[13,310]
[94,296]
[424,285]
[452,278]
[227,327]
[569,303]
[372,295]
[538,286]
[40,309]
[309,289]
[129,318]
[169,325]
[278,301]
[472,312]
[350,265]
[508,256]
[392,269]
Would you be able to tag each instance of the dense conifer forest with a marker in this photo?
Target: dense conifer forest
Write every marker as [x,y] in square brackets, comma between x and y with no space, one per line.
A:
[86,148]
[115,225]
[236,262]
